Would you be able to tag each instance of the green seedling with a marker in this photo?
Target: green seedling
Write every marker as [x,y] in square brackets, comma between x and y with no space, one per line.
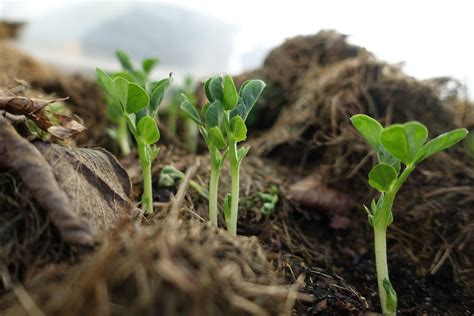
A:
[175,114]
[139,107]
[139,76]
[222,125]
[395,145]
[269,201]
[170,175]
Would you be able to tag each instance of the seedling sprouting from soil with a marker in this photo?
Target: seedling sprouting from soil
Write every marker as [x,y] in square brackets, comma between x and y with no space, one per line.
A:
[170,175]
[395,145]
[139,76]
[269,200]
[175,114]
[222,125]
[139,107]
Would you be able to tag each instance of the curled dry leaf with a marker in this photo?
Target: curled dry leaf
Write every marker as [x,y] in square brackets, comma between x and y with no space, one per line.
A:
[37,175]
[34,109]
[312,193]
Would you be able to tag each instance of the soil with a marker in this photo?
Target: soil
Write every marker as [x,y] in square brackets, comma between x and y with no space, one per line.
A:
[312,256]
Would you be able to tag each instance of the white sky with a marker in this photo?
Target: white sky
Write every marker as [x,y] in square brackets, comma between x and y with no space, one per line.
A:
[432,38]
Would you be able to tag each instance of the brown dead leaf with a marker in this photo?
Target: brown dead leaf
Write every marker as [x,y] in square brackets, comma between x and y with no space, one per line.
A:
[34,110]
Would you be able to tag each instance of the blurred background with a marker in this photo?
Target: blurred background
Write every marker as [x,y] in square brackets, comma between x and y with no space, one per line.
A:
[431,38]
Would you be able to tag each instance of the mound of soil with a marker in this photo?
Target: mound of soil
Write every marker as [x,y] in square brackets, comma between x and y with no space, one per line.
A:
[313,254]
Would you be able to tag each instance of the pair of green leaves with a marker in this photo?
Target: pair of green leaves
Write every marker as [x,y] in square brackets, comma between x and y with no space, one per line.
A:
[137,105]
[397,143]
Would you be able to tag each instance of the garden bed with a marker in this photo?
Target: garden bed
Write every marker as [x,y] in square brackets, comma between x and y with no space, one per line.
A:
[312,255]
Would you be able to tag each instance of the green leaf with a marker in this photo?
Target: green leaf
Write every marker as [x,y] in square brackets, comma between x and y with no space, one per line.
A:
[385,157]
[215,138]
[250,92]
[190,110]
[241,153]
[440,143]
[137,98]
[239,110]
[231,97]
[155,151]
[382,177]
[238,129]
[124,59]
[148,131]
[121,91]
[404,141]
[213,89]
[214,114]
[158,91]
[105,81]
[149,63]
[369,128]
[123,74]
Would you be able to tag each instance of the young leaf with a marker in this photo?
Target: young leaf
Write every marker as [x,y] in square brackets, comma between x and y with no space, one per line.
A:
[238,129]
[385,157]
[121,91]
[440,143]
[242,152]
[239,110]
[250,91]
[148,131]
[137,98]
[382,177]
[149,63]
[213,89]
[190,110]
[404,141]
[105,81]
[124,60]
[124,75]
[215,138]
[231,97]
[214,114]
[369,128]
[391,301]
[157,93]
[155,151]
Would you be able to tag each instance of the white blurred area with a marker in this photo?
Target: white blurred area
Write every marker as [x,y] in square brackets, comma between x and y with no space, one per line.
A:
[431,38]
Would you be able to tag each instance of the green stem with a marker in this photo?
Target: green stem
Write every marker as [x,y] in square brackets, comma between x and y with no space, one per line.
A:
[173,117]
[213,188]
[147,197]
[123,138]
[234,173]
[191,134]
[380,235]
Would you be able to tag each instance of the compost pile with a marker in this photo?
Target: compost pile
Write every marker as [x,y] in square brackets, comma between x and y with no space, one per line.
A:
[313,254]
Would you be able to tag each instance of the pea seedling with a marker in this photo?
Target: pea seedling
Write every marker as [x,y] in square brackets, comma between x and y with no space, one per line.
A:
[139,76]
[222,127]
[139,106]
[170,175]
[394,145]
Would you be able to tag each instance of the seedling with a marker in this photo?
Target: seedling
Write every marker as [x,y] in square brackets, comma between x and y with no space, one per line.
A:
[394,145]
[222,125]
[170,175]
[269,201]
[139,107]
[175,114]
[139,76]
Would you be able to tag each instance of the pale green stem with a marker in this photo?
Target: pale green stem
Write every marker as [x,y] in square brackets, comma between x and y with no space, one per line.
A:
[123,138]
[173,117]
[234,173]
[191,134]
[147,196]
[381,266]
[213,188]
